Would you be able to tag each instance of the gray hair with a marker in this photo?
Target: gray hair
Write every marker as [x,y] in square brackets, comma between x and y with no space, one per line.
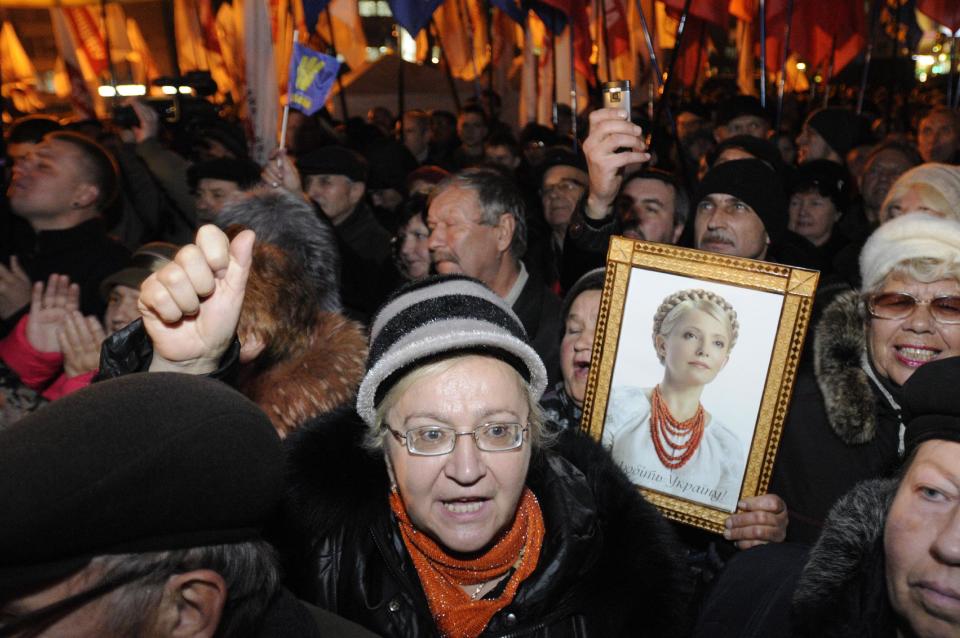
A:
[250,571]
[540,436]
[290,222]
[498,195]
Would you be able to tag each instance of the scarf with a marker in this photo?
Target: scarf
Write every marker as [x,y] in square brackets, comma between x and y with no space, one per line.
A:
[456,613]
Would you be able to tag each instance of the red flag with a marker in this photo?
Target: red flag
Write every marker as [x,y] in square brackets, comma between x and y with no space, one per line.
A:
[208,26]
[89,37]
[946,12]
[617,29]
[577,13]
[819,30]
[694,53]
[709,10]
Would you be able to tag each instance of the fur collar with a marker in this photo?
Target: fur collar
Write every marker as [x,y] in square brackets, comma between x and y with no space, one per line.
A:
[320,379]
[839,347]
[843,587]
[333,483]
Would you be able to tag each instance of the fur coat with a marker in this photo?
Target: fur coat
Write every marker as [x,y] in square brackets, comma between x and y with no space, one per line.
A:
[318,380]
[843,426]
[610,565]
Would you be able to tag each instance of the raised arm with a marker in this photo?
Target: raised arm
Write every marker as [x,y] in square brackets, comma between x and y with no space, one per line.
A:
[191,306]
[609,131]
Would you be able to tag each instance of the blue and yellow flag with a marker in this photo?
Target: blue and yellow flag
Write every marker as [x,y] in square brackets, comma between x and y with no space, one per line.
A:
[311,77]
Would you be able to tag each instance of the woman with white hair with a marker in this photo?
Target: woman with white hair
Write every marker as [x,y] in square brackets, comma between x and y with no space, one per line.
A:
[844,423]
[930,188]
[437,505]
[662,436]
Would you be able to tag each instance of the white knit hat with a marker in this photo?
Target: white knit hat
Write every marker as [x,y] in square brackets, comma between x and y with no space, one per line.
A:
[438,316]
[910,236]
[943,179]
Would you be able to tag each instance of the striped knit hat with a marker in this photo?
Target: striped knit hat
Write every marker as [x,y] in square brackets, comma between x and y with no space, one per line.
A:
[438,316]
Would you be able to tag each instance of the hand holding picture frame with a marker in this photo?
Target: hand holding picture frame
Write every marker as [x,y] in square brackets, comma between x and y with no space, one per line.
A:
[692,371]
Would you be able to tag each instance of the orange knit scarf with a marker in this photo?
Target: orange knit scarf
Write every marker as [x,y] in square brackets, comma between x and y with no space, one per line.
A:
[456,614]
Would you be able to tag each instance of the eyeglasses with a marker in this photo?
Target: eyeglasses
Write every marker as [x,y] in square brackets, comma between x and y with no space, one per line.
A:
[436,440]
[563,188]
[900,305]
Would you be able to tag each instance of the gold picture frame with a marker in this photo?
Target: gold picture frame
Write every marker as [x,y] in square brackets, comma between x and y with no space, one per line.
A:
[773,304]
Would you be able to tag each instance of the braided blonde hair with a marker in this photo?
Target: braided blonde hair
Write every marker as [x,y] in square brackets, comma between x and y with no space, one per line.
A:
[679,302]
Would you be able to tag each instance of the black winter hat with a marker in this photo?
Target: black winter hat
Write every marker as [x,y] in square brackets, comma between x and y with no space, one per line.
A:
[828,178]
[144,463]
[760,149]
[931,407]
[560,156]
[244,172]
[842,129]
[738,106]
[334,160]
[591,280]
[753,182]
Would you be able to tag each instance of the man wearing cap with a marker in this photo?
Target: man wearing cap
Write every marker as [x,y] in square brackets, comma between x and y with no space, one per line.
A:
[335,179]
[478,228]
[830,134]
[220,182]
[888,562]
[742,115]
[151,523]
[62,189]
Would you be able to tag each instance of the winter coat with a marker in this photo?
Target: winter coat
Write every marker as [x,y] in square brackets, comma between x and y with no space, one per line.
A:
[609,565]
[317,380]
[843,426]
[838,591]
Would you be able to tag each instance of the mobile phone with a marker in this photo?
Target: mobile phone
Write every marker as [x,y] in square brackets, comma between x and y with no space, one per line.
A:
[616,95]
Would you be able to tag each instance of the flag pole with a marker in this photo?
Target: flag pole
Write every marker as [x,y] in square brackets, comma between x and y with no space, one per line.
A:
[333,45]
[868,56]
[951,94]
[489,13]
[605,33]
[286,107]
[677,46]
[655,67]
[446,66]
[573,86]
[170,28]
[556,85]
[787,28]
[829,78]
[401,81]
[763,53]
[465,20]
[956,92]
[896,61]
[106,44]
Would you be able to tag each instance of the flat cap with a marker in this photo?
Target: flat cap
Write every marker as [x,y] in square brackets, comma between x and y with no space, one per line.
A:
[147,462]
[334,160]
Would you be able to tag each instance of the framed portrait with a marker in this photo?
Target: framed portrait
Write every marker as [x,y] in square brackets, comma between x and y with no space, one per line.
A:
[692,370]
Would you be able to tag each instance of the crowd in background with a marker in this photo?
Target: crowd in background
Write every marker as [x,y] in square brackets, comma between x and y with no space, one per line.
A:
[353,215]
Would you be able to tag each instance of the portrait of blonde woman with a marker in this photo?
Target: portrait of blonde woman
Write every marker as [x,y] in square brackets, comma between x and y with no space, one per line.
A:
[663,436]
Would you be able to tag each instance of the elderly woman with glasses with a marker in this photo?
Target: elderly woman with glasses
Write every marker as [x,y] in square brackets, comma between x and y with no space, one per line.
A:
[439,506]
[845,422]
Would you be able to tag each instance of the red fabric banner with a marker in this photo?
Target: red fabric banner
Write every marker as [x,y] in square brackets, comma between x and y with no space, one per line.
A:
[89,38]
[946,12]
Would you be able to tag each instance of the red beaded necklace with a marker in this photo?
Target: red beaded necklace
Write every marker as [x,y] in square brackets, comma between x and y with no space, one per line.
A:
[682,438]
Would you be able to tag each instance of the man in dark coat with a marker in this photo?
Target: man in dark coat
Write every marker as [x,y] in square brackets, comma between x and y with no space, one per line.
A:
[61,189]
[478,228]
[150,523]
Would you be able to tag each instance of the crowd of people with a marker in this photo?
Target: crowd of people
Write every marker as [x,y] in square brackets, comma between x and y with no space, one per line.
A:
[340,393]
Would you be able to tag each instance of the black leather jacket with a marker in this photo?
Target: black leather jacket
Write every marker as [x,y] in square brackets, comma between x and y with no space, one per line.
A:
[609,566]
